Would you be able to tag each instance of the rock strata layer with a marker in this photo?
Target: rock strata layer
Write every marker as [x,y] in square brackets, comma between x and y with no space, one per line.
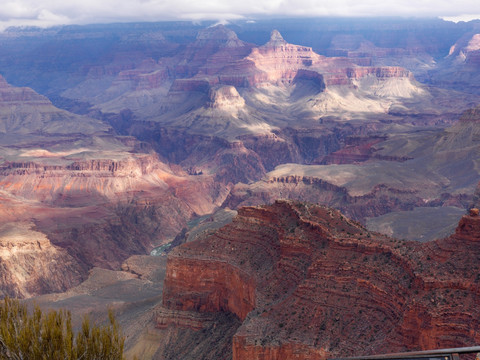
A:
[307,283]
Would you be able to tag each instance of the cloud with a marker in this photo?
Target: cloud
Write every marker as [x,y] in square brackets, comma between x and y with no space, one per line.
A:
[52,12]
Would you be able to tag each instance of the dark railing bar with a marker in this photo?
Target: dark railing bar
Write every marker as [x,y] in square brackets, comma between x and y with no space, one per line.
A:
[417,354]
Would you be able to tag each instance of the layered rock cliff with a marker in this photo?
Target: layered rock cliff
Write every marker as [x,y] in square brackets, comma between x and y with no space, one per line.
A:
[307,282]
[275,85]
[89,198]
[100,211]
[282,62]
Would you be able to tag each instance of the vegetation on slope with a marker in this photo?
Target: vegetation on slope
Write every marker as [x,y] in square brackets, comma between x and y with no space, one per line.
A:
[50,335]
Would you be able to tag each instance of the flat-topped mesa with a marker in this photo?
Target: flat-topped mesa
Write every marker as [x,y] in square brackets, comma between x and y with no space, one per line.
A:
[226,98]
[31,264]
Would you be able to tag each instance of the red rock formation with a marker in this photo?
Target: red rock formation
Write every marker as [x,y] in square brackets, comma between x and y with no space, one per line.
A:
[221,286]
[282,62]
[321,285]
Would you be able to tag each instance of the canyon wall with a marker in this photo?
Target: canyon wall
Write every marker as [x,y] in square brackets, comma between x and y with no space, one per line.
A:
[315,284]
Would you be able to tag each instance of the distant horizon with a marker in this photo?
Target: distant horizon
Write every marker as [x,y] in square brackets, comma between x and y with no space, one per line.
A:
[213,22]
[49,13]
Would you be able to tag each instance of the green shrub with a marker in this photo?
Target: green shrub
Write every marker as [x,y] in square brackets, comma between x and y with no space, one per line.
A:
[49,335]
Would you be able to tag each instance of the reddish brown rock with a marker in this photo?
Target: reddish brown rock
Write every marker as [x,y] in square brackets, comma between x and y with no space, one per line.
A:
[321,285]
[102,210]
[229,288]
[283,62]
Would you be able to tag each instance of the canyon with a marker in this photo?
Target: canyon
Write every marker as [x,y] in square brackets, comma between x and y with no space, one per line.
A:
[121,140]
[75,196]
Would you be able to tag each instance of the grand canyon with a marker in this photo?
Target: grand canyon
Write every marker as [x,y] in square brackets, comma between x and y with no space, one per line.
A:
[270,189]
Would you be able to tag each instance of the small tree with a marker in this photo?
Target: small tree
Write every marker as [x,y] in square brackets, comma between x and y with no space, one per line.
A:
[50,335]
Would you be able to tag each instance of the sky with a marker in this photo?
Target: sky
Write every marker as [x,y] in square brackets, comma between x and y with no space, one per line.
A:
[45,13]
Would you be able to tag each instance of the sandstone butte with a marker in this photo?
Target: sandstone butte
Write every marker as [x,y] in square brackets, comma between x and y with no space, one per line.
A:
[307,283]
[218,57]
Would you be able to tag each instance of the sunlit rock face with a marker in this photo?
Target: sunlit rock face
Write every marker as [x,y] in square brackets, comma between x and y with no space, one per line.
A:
[305,280]
[459,69]
[466,50]
[278,85]
[75,196]
[31,264]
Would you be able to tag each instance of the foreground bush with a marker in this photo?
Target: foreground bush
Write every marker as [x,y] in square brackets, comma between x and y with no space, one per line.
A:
[37,335]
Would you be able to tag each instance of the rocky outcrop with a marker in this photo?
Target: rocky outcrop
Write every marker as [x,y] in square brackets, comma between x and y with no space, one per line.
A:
[321,285]
[468,229]
[231,290]
[283,62]
[380,200]
[225,97]
[31,264]
[214,48]
[10,96]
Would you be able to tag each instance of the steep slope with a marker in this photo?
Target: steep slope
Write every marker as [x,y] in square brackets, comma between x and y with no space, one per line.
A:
[309,283]
[269,87]
[459,69]
[82,197]
[26,116]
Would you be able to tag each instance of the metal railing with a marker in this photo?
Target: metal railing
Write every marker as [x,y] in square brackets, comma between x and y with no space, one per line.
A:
[439,354]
